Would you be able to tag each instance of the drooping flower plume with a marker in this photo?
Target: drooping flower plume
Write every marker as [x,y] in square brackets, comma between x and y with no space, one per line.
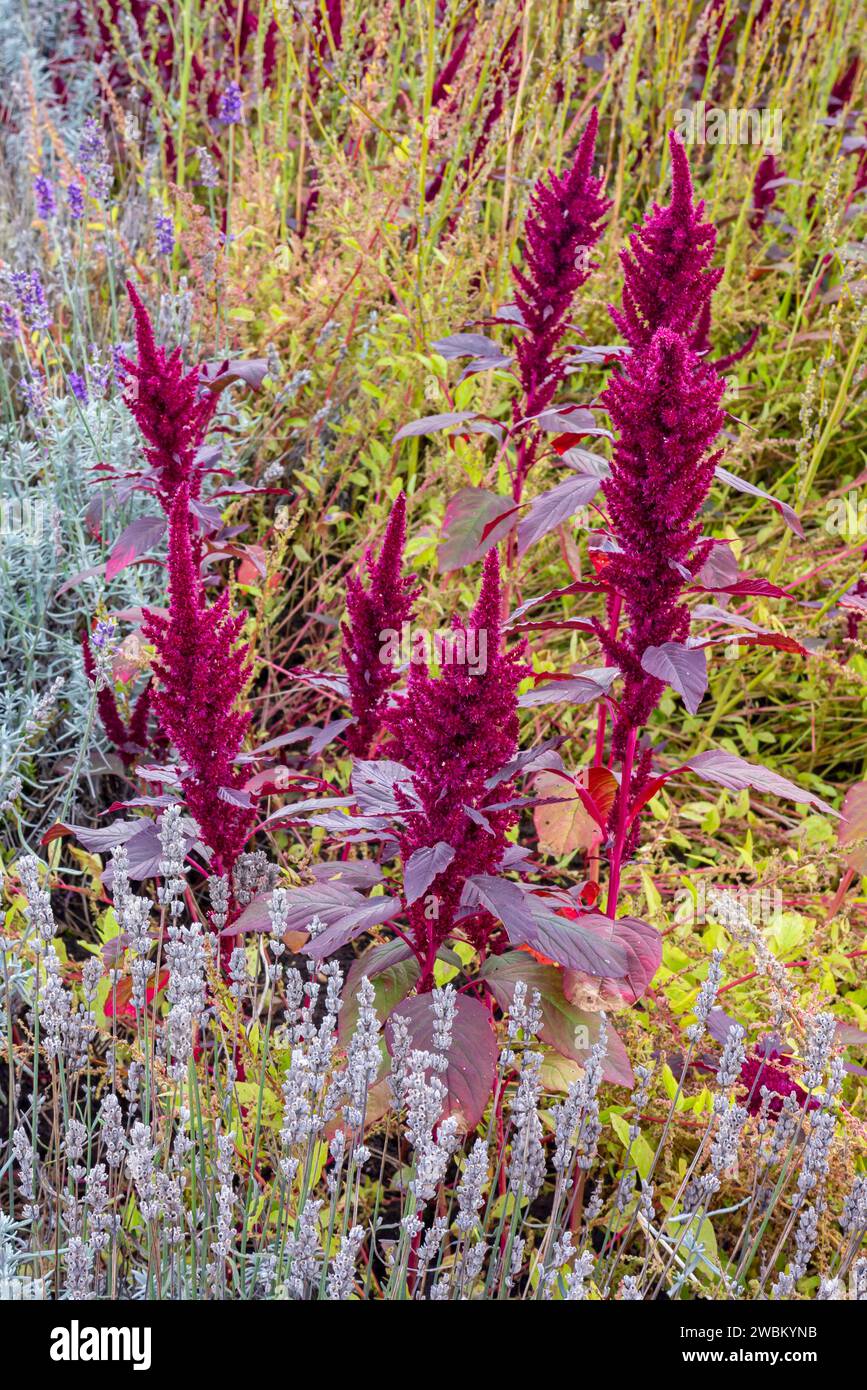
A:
[455,732]
[130,737]
[385,603]
[664,407]
[201,671]
[668,278]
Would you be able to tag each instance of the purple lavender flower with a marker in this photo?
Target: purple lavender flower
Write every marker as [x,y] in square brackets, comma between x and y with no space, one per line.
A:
[165,234]
[208,176]
[118,357]
[98,372]
[31,296]
[78,387]
[32,390]
[43,195]
[93,158]
[75,201]
[231,111]
[10,325]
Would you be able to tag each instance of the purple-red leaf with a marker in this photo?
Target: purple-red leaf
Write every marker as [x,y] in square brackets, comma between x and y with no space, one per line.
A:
[472,1055]
[684,668]
[430,424]
[551,508]
[134,540]
[468,533]
[575,690]
[741,485]
[422,868]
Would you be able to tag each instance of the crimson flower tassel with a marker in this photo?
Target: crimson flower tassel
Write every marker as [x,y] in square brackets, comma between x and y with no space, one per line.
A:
[383,606]
[201,672]
[171,410]
[664,407]
[563,224]
[129,737]
[454,733]
[668,279]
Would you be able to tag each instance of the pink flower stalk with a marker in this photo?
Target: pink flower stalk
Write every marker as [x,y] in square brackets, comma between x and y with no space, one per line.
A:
[386,603]
[171,411]
[668,279]
[564,222]
[454,733]
[763,196]
[202,673]
[664,408]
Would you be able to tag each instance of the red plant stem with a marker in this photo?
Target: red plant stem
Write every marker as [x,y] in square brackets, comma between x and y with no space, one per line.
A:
[602,712]
[622,822]
[787,965]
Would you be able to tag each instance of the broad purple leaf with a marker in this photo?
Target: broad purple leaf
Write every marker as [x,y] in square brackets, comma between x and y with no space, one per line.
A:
[684,668]
[529,922]
[576,690]
[375,785]
[323,680]
[393,971]
[530,760]
[720,568]
[372,913]
[458,345]
[352,873]
[561,1020]
[422,868]
[135,540]
[641,944]
[467,514]
[218,375]
[568,420]
[472,1056]
[430,424]
[551,508]
[741,485]
[330,902]
[728,770]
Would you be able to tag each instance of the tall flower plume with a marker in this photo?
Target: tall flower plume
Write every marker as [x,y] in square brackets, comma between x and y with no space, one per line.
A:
[563,224]
[201,672]
[171,410]
[668,278]
[455,732]
[664,407]
[386,603]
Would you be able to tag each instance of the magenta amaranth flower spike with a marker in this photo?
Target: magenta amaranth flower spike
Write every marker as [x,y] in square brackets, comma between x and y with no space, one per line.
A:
[171,411]
[202,672]
[664,407]
[454,733]
[385,604]
[668,279]
[564,222]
